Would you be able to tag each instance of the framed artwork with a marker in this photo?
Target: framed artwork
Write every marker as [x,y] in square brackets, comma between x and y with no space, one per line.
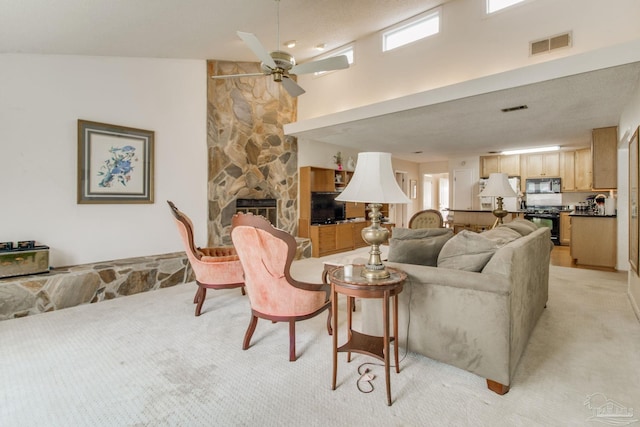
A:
[633,202]
[115,164]
[413,188]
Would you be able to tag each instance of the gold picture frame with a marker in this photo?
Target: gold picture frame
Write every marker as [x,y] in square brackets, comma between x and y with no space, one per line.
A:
[634,252]
[115,163]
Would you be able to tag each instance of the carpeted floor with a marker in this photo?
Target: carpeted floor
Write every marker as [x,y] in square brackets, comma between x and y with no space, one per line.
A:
[145,360]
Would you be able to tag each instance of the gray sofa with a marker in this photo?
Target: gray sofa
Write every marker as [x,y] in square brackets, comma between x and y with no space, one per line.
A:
[480,320]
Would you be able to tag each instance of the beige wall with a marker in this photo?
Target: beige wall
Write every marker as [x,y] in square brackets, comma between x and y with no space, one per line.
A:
[629,122]
[471,45]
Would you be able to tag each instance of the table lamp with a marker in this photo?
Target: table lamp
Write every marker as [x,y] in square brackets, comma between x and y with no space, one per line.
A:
[374,182]
[498,186]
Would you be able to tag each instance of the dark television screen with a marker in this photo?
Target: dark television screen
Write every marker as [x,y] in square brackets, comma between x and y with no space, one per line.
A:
[325,209]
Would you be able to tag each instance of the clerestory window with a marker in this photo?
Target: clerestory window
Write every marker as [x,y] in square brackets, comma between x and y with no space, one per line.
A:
[420,27]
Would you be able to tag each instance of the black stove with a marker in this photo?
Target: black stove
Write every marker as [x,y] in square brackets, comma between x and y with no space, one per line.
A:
[544,210]
[546,216]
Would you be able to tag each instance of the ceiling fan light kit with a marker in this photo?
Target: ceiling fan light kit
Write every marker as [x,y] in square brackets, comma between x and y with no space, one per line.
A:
[282,65]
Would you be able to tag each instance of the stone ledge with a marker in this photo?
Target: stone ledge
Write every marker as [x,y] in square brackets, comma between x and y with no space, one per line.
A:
[90,283]
[66,287]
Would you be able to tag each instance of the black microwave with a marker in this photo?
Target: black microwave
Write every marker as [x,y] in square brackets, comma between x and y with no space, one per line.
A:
[542,185]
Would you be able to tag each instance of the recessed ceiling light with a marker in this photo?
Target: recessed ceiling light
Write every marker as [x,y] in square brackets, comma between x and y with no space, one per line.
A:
[290,44]
[532,150]
[320,46]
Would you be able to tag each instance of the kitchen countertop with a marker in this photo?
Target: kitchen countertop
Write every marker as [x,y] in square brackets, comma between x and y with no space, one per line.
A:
[591,215]
[481,210]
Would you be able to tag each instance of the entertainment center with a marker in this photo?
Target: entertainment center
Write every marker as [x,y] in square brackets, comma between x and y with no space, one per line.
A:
[332,226]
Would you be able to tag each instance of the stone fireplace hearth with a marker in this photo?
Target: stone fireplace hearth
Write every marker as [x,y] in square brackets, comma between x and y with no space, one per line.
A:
[249,155]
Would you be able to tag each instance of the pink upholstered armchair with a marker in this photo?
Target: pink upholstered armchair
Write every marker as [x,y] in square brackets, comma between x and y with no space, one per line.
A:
[266,254]
[214,268]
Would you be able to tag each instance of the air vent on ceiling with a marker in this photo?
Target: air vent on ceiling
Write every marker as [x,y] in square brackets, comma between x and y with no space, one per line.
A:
[547,45]
[516,108]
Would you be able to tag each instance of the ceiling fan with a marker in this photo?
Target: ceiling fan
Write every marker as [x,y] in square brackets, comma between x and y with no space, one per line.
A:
[281,65]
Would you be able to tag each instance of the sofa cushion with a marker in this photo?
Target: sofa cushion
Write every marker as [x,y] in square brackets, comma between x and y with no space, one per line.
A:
[471,251]
[522,226]
[502,235]
[417,246]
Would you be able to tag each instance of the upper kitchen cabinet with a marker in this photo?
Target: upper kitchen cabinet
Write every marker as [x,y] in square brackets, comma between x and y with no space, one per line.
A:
[575,170]
[500,164]
[604,153]
[542,165]
[583,171]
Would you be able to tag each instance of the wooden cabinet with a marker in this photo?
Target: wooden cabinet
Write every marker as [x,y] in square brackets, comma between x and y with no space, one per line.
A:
[583,171]
[489,165]
[565,228]
[317,179]
[500,164]
[542,165]
[330,239]
[575,170]
[568,170]
[510,165]
[593,240]
[604,155]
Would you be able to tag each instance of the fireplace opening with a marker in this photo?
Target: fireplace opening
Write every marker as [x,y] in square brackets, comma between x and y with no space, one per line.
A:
[267,208]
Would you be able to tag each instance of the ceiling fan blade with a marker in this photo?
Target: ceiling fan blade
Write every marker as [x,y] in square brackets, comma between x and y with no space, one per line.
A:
[292,87]
[329,64]
[254,44]
[230,76]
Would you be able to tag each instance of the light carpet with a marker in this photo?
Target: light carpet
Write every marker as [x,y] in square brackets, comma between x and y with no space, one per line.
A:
[146,360]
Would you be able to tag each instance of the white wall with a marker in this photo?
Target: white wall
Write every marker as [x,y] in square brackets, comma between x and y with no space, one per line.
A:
[41,99]
[470,45]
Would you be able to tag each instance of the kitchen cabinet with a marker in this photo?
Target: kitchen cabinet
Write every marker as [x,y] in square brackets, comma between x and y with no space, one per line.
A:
[604,155]
[542,165]
[568,170]
[583,170]
[575,170]
[500,164]
[593,240]
[565,229]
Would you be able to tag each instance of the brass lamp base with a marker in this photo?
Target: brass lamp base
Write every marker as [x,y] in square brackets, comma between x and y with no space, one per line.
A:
[375,235]
[499,213]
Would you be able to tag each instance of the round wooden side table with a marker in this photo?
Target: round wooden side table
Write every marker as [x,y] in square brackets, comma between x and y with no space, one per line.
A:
[356,286]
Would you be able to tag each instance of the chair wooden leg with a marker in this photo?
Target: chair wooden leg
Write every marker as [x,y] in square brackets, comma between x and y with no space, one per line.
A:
[329,328]
[250,330]
[199,299]
[243,291]
[496,387]
[292,340]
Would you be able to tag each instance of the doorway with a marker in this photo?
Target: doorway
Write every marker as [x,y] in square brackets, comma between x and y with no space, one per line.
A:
[398,211]
[463,189]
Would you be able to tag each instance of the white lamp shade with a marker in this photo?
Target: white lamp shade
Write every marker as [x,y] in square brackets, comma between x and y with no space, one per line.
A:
[373,181]
[498,186]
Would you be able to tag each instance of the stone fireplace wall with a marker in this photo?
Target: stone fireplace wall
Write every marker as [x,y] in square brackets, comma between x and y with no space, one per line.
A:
[249,155]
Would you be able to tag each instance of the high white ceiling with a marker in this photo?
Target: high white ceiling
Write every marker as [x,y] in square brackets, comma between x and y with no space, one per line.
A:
[193,29]
[560,111]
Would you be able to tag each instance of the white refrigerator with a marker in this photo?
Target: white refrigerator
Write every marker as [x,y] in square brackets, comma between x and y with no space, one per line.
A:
[509,203]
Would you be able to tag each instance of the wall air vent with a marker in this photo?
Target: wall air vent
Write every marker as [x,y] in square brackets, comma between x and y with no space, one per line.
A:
[551,43]
[509,109]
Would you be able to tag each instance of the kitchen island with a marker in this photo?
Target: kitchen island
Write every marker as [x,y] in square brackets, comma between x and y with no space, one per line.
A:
[593,239]
[476,220]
